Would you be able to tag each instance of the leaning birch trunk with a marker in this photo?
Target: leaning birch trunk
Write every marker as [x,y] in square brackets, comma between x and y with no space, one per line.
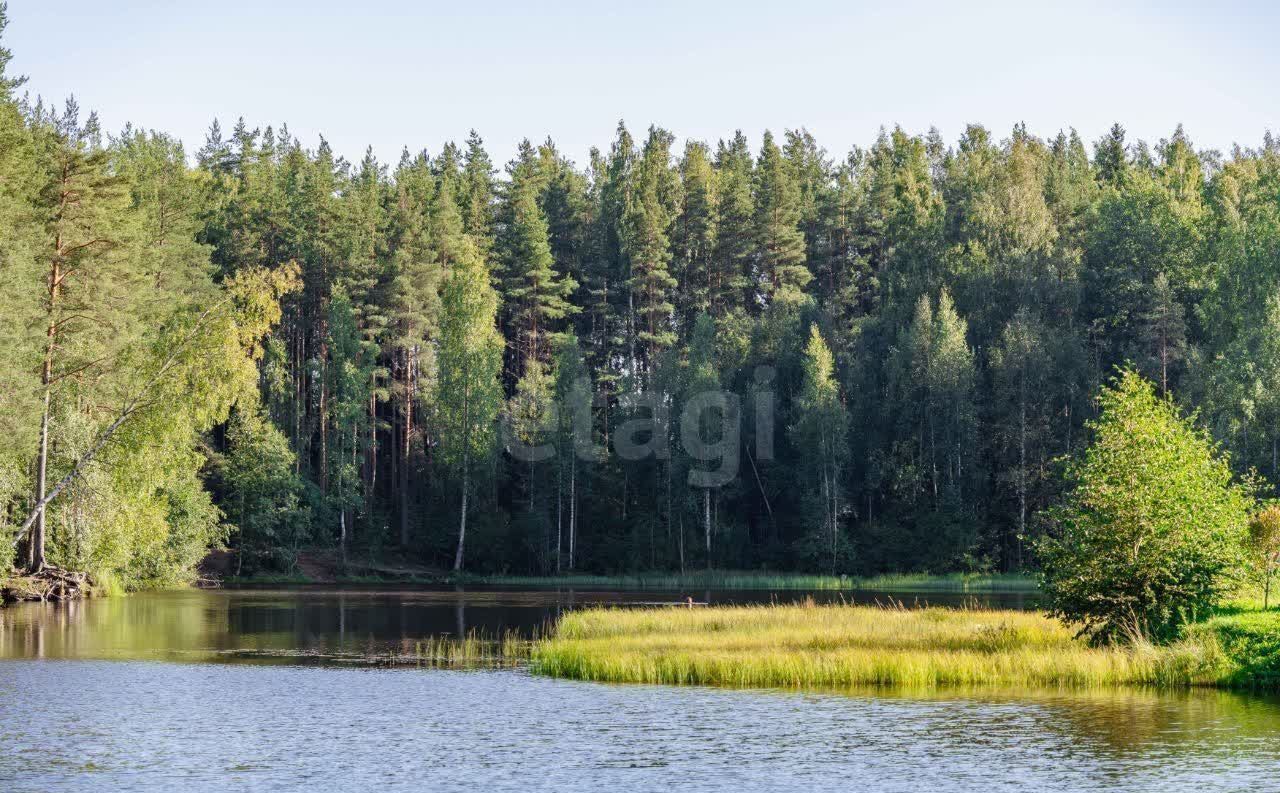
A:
[132,406]
[38,509]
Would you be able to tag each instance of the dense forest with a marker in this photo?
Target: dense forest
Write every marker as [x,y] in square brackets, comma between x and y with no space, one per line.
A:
[263,345]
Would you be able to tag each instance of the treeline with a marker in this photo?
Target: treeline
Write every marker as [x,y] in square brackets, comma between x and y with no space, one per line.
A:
[925,325]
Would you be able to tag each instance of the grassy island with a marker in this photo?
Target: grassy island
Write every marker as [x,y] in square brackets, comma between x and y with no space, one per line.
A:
[808,646]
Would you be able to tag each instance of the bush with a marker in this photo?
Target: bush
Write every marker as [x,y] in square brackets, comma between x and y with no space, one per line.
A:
[1152,527]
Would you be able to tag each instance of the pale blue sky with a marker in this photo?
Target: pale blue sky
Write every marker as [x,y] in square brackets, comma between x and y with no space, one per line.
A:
[395,72]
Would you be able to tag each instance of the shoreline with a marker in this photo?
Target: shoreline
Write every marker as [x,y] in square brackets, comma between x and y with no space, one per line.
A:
[951,583]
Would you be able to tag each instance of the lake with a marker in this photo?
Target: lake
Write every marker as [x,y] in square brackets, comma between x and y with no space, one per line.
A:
[261,690]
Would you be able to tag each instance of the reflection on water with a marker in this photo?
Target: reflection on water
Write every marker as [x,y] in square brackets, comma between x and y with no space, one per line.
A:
[73,721]
[96,725]
[230,624]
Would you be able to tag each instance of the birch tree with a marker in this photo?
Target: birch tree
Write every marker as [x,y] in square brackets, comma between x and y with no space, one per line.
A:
[469,395]
[821,430]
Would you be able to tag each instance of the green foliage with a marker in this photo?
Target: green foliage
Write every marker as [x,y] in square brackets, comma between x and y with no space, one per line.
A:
[646,224]
[782,274]
[971,297]
[1264,548]
[822,426]
[1249,643]
[469,394]
[533,290]
[1150,534]
[262,492]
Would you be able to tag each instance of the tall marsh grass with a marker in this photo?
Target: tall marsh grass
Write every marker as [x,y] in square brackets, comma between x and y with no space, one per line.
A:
[474,651]
[807,646]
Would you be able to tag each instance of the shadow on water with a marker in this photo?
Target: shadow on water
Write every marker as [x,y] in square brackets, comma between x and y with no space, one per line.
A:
[319,623]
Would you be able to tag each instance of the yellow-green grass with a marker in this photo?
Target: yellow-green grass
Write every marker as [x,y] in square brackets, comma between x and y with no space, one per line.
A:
[809,646]
[472,651]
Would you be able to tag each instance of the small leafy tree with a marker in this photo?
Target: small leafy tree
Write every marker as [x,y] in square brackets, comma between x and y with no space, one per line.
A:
[263,489]
[1151,529]
[821,428]
[1264,548]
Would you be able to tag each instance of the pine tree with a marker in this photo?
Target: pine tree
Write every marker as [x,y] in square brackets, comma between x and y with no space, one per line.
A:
[607,326]
[1070,190]
[647,218]
[92,280]
[1164,329]
[413,304]
[809,170]
[730,289]
[534,292]
[1111,158]
[782,273]
[476,192]
[566,202]
[694,234]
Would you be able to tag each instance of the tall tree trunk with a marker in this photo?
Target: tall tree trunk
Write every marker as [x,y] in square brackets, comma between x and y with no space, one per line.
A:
[35,549]
[826,502]
[342,534]
[559,509]
[299,382]
[706,520]
[372,455]
[680,542]
[462,518]
[834,506]
[1022,465]
[406,440]
[36,557]
[324,429]
[573,508]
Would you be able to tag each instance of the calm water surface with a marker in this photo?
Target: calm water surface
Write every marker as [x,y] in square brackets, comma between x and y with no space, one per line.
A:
[120,695]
